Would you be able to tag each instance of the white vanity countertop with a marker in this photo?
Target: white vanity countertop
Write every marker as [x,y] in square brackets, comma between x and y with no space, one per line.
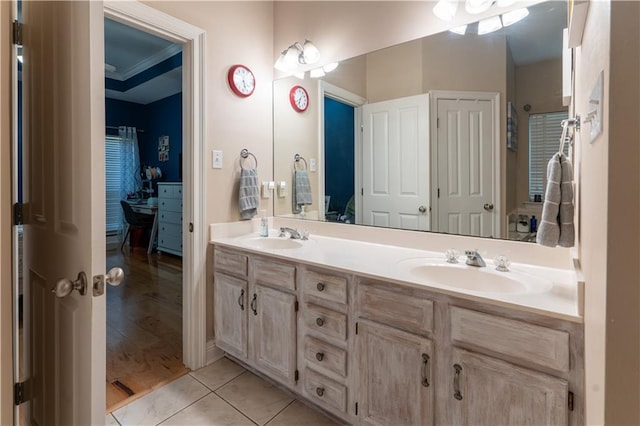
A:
[557,297]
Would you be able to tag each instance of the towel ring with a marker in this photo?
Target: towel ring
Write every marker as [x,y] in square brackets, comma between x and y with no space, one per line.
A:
[296,160]
[245,154]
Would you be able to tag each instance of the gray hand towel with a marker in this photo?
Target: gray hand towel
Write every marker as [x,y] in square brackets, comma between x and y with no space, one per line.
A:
[248,196]
[549,229]
[567,230]
[302,187]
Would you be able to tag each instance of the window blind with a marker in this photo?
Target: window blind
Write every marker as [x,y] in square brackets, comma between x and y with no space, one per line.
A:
[113,183]
[545,131]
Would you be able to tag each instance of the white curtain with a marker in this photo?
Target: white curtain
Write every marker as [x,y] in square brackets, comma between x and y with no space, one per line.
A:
[131,180]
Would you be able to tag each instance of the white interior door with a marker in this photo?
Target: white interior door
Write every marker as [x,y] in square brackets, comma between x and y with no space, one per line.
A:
[465,166]
[64,208]
[395,165]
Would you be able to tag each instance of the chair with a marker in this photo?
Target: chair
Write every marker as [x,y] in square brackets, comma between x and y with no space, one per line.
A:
[134,220]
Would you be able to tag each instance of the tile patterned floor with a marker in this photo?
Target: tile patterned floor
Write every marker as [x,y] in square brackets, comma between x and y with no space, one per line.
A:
[220,394]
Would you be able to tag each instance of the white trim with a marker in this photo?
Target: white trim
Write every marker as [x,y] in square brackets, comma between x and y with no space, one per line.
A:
[496,170]
[356,101]
[145,64]
[151,20]
[214,353]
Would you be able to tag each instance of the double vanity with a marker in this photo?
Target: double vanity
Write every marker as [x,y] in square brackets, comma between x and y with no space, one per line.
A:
[388,335]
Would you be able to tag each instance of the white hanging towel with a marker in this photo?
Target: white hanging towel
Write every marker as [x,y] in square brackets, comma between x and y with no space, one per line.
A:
[248,195]
[556,224]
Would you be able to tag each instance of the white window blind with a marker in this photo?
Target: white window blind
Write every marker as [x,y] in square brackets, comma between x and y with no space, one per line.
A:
[545,131]
[113,180]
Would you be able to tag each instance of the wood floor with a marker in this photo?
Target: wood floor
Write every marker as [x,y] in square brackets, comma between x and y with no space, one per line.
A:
[144,325]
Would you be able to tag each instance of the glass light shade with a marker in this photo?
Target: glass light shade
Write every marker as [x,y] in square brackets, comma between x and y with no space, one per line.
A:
[462,29]
[330,67]
[446,9]
[489,25]
[514,16]
[279,65]
[299,75]
[310,53]
[316,73]
[291,58]
[477,6]
[505,3]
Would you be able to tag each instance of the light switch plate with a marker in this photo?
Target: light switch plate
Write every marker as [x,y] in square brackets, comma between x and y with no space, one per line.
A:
[312,164]
[594,115]
[216,159]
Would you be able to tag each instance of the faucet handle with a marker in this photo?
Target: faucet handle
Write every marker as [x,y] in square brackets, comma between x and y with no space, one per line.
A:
[469,253]
[502,263]
[282,233]
[452,255]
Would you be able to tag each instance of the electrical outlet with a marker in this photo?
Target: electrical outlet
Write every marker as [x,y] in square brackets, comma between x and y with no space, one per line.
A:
[216,158]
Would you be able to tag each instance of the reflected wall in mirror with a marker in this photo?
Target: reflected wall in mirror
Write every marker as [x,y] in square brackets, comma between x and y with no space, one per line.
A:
[414,136]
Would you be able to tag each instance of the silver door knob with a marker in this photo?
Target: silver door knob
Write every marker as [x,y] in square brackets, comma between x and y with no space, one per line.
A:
[422,209]
[488,206]
[65,286]
[114,277]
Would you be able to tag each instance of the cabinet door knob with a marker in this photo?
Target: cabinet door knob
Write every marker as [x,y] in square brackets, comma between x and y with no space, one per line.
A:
[319,322]
[319,356]
[320,391]
[320,286]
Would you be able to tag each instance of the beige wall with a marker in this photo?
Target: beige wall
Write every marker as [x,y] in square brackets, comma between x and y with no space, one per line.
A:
[236,33]
[539,85]
[609,192]
[511,156]
[622,371]
[6,348]
[395,72]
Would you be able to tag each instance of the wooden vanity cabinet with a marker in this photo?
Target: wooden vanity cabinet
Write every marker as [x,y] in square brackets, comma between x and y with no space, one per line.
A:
[255,312]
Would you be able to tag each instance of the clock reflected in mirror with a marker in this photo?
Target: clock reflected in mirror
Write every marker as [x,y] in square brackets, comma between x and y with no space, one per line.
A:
[299,98]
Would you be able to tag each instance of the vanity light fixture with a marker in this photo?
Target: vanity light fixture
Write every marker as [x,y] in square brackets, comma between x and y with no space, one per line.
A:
[446,9]
[489,25]
[462,29]
[475,7]
[297,54]
[514,16]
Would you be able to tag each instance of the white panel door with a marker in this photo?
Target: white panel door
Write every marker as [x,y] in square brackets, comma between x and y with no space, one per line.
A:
[63,80]
[465,166]
[395,165]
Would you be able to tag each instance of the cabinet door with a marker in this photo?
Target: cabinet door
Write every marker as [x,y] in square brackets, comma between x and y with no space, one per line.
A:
[394,376]
[487,391]
[273,333]
[230,312]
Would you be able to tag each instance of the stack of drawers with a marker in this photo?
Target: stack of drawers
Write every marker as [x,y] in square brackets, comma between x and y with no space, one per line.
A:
[325,325]
[170,217]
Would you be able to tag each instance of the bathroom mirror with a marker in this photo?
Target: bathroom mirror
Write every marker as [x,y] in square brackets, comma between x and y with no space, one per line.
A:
[429,135]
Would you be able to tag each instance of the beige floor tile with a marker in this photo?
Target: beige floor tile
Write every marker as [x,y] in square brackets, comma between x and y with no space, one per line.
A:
[209,411]
[162,403]
[299,414]
[110,421]
[217,374]
[254,397]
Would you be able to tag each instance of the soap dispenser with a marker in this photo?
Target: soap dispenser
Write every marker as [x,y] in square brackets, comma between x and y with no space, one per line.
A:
[264,224]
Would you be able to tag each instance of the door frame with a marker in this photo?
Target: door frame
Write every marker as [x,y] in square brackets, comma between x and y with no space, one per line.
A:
[356,101]
[496,170]
[150,20]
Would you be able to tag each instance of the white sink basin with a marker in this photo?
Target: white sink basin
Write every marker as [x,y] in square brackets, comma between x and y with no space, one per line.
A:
[276,243]
[471,278]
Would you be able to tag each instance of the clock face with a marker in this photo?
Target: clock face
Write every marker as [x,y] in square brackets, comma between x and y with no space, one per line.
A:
[299,98]
[241,80]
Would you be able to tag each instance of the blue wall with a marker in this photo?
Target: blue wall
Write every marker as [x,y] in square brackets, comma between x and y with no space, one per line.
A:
[165,119]
[339,153]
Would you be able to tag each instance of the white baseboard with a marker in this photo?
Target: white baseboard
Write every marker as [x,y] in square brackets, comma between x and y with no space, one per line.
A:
[214,353]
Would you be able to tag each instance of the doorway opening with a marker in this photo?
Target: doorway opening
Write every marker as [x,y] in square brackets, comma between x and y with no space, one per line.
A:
[143,165]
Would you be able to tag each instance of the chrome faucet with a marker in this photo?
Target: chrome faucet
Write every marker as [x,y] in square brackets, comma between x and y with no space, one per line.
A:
[293,233]
[474,258]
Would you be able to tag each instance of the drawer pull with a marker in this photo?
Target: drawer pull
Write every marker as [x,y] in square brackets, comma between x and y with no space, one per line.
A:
[241,300]
[456,382]
[320,286]
[319,322]
[254,304]
[320,391]
[425,370]
[319,356]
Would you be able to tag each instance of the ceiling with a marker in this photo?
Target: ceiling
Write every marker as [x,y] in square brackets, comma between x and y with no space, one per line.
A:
[131,55]
[133,52]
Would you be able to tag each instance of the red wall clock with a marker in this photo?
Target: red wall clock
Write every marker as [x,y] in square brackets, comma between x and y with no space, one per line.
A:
[299,98]
[241,80]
